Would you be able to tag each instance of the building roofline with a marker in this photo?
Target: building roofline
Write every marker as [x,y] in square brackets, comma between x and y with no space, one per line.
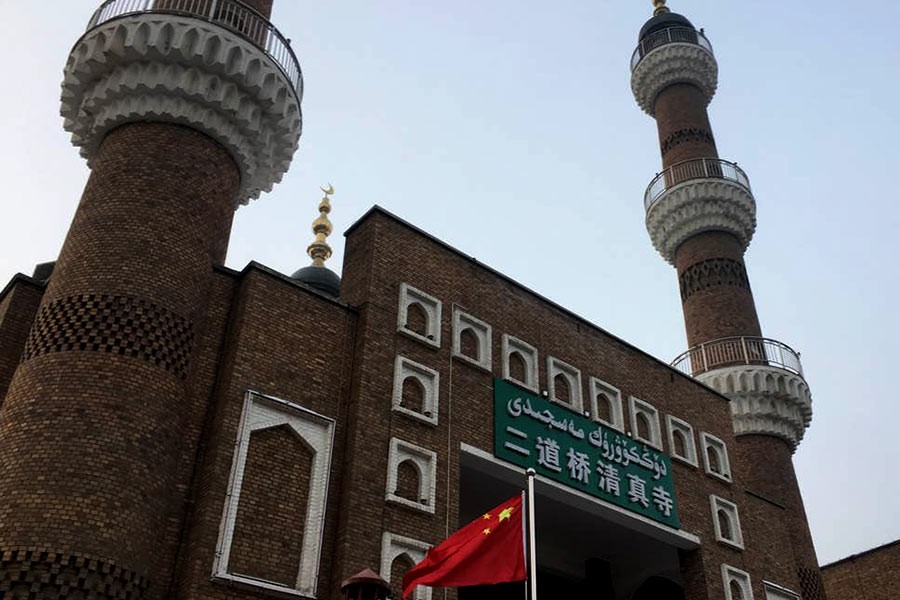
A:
[255,266]
[21,278]
[858,555]
[376,209]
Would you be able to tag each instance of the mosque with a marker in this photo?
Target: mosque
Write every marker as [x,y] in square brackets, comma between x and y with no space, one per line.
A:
[173,428]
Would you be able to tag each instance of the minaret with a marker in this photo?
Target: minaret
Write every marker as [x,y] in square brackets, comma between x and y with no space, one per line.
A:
[701,215]
[183,110]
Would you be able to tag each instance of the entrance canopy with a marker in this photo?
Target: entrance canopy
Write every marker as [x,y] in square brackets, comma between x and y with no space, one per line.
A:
[582,542]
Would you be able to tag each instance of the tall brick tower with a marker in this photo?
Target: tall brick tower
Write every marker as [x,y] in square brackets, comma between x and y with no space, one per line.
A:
[701,215]
[183,109]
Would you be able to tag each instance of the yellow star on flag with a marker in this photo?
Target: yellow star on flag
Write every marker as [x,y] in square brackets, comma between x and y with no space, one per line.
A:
[504,514]
[487,516]
[486,531]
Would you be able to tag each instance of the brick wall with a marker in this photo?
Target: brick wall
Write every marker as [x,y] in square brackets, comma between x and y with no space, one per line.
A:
[871,575]
[291,343]
[18,305]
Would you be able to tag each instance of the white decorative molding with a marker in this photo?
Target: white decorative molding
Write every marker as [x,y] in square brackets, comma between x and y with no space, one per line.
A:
[425,463]
[394,546]
[764,400]
[612,396]
[697,205]
[677,428]
[430,305]
[462,322]
[713,447]
[428,378]
[727,511]
[736,580]
[669,64]
[178,69]
[317,433]
[572,376]
[777,592]
[529,354]
[637,409]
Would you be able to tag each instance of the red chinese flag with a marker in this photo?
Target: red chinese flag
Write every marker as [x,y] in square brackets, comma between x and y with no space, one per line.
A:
[490,549]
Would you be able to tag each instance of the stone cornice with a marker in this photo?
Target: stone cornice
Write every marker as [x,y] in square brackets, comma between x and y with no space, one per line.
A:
[697,205]
[669,64]
[178,69]
[764,400]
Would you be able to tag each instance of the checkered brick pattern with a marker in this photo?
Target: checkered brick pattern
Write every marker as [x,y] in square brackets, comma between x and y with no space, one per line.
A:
[40,574]
[116,324]
[811,585]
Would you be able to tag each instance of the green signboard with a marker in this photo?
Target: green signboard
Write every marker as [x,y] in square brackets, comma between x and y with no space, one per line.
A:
[562,445]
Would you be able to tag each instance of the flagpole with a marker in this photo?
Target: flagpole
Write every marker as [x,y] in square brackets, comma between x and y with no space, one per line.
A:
[532,548]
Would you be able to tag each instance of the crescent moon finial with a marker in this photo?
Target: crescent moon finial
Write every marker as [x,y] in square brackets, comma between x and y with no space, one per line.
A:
[319,251]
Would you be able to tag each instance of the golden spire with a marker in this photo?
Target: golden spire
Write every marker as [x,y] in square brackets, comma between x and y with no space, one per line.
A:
[319,251]
[660,7]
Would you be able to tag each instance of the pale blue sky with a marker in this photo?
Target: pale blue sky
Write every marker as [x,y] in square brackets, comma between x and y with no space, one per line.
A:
[508,129]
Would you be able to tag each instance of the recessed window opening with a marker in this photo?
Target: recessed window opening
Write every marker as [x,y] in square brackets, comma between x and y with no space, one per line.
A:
[419,315]
[712,457]
[399,567]
[561,389]
[645,423]
[408,481]
[606,404]
[398,555]
[415,390]
[412,472]
[737,584]
[725,524]
[643,426]
[517,367]
[413,394]
[469,344]
[715,456]
[416,319]
[564,382]
[679,446]
[604,410]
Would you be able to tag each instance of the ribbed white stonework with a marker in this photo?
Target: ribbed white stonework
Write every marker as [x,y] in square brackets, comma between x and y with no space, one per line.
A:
[669,64]
[178,69]
[764,400]
[697,205]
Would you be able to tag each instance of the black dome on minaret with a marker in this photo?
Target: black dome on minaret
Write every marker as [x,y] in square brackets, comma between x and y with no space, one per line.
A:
[663,21]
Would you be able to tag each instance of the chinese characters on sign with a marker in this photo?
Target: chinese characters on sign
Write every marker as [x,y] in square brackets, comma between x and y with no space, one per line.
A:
[564,446]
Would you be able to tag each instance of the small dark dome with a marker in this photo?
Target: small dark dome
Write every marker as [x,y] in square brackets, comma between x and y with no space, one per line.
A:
[663,21]
[321,278]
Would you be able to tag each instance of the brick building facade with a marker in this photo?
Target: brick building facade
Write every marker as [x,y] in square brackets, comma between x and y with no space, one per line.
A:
[869,575]
[176,429]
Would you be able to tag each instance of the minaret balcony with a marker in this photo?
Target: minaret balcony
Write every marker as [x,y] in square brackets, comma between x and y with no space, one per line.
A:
[700,168]
[763,379]
[217,66]
[690,197]
[671,56]
[232,14]
[670,35]
[744,350]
